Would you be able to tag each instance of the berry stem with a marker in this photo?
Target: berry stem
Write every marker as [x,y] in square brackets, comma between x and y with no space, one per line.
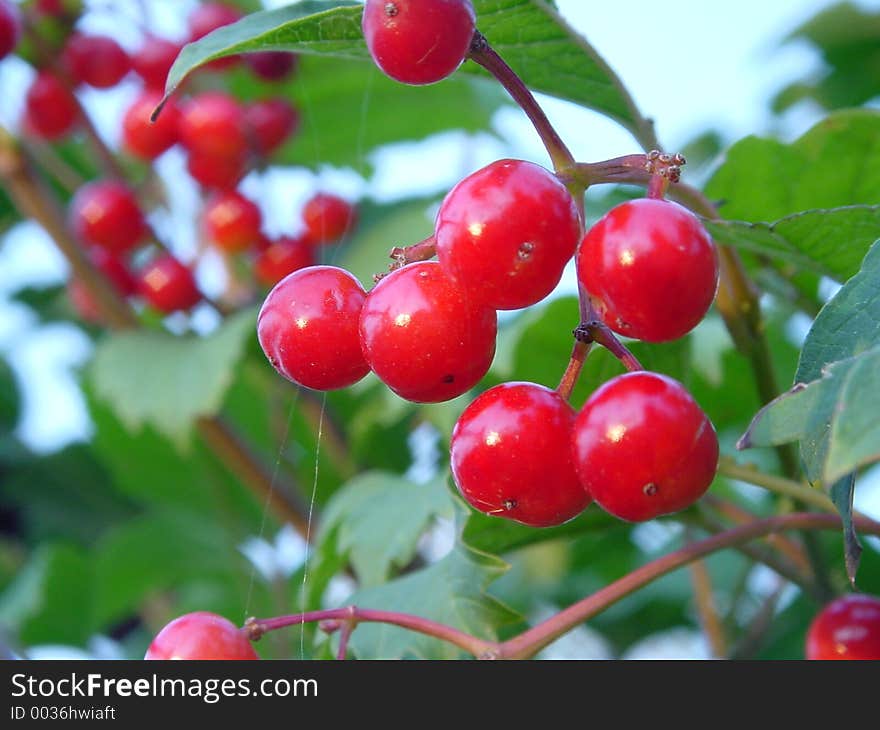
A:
[707,610]
[596,331]
[573,371]
[482,53]
[657,187]
[403,255]
[779,485]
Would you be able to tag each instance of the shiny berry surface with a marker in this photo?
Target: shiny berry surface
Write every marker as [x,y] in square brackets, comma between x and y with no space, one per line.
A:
[146,139]
[105,213]
[847,628]
[213,123]
[506,232]
[418,41]
[51,110]
[153,61]
[283,257]
[201,635]
[96,60]
[423,337]
[308,328]
[650,268]
[271,65]
[10,27]
[511,456]
[643,447]
[168,285]
[271,122]
[231,221]
[328,217]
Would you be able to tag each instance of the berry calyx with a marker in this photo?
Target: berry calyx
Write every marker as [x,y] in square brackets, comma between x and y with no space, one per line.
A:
[168,285]
[51,110]
[283,257]
[308,328]
[505,233]
[271,65]
[846,628]
[213,123]
[147,139]
[106,213]
[423,337]
[271,122]
[418,41]
[511,456]
[232,222]
[643,447]
[153,61]
[201,635]
[328,217]
[650,269]
[96,60]
[10,27]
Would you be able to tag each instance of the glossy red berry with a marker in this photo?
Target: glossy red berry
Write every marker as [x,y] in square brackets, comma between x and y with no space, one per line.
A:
[116,271]
[505,233]
[231,221]
[147,139]
[511,456]
[153,61]
[328,217]
[96,60]
[106,213]
[425,338]
[10,27]
[51,109]
[283,257]
[418,41]
[205,19]
[213,123]
[212,172]
[201,635]
[308,328]
[271,122]
[271,65]
[643,447]
[168,285]
[847,628]
[650,269]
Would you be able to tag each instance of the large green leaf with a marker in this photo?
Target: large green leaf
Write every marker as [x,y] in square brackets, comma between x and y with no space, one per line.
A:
[376,520]
[530,34]
[157,379]
[816,197]
[451,591]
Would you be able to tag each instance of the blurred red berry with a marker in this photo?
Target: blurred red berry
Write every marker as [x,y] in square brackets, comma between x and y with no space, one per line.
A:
[96,60]
[213,123]
[147,139]
[51,109]
[206,18]
[106,213]
[168,285]
[271,122]
[10,27]
[272,65]
[328,217]
[283,257]
[153,60]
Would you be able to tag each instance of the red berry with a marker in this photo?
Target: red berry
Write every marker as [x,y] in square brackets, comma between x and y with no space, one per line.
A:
[105,213]
[643,447]
[506,232]
[153,61]
[95,60]
[201,635]
[308,328]
[168,285]
[511,456]
[328,217]
[10,27]
[216,172]
[847,628]
[271,65]
[115,270]
[271,122]
[283,257]
[425,338]
[418,41]
[206,18]
[213,123]
[51,109]
[231,221]
[147,139]
[650,268]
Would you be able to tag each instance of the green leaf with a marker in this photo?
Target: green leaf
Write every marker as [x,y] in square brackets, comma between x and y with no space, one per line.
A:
[842,495]
[451,591]
[158,379]
[530,34]
[376,519]
[831,242]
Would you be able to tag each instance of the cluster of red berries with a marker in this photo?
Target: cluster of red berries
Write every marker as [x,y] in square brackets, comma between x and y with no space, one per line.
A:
[222,138]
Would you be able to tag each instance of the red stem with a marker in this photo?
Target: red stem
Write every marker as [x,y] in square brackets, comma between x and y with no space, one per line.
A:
[573,371]
[596,331]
